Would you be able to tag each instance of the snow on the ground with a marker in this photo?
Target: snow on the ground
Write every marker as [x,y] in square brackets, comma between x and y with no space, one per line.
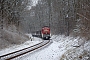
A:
[62,48]
[52,52]
[59,50]
[49,53]
[18,47]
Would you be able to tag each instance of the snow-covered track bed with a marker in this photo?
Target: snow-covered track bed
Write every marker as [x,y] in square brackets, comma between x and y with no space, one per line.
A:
[21,52]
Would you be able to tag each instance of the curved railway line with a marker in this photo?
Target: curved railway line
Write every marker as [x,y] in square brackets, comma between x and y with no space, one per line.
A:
[21,52]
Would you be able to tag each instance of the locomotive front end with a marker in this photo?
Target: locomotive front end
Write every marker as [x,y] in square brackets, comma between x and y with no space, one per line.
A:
[45,32]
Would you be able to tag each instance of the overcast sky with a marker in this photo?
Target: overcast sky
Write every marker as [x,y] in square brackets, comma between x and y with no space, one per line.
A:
[34,2]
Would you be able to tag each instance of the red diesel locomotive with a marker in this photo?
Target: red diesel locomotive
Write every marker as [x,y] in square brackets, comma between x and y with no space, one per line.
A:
[45,33]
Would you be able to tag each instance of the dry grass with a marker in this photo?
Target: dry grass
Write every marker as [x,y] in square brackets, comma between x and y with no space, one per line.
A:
[10,38]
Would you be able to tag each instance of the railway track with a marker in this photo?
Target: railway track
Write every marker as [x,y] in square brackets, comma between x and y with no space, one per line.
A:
[21,52]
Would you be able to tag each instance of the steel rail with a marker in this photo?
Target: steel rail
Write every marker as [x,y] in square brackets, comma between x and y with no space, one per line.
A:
[12,57]
[19,50]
